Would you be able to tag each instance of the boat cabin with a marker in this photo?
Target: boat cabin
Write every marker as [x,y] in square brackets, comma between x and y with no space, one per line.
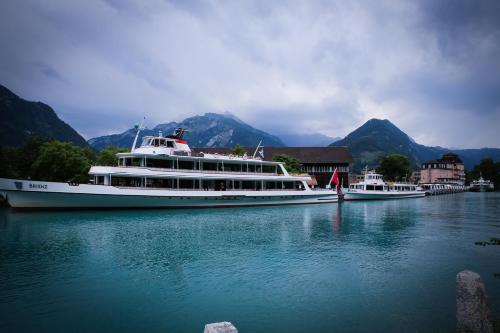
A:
[374,182]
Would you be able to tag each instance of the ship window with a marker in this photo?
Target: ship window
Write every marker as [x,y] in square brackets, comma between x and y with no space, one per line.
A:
[170,144]
[186,165]
[248,185]
[233,167]
[209,166]
[126,182]
[370,187]
[379,188]
[186,183]
[270,185]
[268,168]
[159,183]
[159,163]
[135,162]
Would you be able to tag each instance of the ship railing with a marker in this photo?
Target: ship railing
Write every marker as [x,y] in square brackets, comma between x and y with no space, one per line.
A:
[203,171]
[209,190]
[216,155]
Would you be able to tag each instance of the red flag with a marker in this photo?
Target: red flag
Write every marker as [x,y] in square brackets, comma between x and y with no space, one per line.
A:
[335,179]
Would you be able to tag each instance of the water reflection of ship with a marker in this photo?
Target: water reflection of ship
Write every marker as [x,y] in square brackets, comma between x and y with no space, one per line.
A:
[379,224]
[338,220]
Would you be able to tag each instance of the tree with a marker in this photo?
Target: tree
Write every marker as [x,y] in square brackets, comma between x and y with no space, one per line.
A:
[61,161]
[8,162]
[238,150]
[292,164]
[394,167]
[26,155]
[108,157]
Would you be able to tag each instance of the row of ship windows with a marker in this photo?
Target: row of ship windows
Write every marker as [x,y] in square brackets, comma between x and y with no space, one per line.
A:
[198,165]
[235,198]
[383,188]
[195,184]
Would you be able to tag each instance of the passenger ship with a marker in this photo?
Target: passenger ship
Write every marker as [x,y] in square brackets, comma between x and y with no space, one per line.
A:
[481,185]
[163,172]
[373,187]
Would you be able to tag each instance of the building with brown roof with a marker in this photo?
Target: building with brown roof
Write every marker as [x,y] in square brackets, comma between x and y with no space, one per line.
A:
[319,162]
[448,169]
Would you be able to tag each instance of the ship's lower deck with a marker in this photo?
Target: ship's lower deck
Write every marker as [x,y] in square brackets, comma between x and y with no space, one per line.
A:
[379,195]
[30,194]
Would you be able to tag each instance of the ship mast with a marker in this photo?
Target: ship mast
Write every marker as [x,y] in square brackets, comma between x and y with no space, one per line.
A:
[138,128]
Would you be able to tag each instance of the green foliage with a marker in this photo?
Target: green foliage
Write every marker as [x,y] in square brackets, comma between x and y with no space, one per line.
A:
[238,150]
[292,164]
[7,168]
[40,159]
[488,169]
[17,162]
[61,161]
[108,157]
[394,167]
[27,154]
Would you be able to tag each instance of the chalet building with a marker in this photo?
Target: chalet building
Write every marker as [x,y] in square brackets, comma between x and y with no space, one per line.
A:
[319,162]
[448,169]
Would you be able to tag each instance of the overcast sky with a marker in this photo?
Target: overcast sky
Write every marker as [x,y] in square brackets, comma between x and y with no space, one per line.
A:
[431,67]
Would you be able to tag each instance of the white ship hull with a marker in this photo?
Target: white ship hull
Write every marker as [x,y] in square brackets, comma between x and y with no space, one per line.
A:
[379,195]
[37,194]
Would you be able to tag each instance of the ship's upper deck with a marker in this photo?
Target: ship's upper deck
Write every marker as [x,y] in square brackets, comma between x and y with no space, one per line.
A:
[159,147]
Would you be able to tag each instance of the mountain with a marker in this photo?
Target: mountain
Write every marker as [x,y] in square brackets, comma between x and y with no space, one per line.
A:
[307,140]
[377,138]
[472,157]
[208,130]
[21,118]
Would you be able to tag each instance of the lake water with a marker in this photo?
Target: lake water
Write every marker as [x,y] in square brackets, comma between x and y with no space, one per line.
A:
[380,266]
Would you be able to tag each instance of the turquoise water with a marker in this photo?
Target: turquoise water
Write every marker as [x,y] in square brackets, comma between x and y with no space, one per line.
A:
[386,266]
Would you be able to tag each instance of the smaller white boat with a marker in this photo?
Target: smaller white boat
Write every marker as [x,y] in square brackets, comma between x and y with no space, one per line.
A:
[482,185]
[373,187]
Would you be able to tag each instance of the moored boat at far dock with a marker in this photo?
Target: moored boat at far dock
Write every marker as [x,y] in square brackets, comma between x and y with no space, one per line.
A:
[373,187]
[482,185]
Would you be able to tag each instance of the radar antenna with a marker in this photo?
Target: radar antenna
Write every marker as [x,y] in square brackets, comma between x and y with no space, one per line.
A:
[178,133]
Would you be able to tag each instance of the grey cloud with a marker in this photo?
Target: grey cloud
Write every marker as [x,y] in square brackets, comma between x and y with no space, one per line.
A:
[323,66]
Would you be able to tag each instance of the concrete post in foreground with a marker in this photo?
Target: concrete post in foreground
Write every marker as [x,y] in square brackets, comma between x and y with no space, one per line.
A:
[222,327]
[473,313]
